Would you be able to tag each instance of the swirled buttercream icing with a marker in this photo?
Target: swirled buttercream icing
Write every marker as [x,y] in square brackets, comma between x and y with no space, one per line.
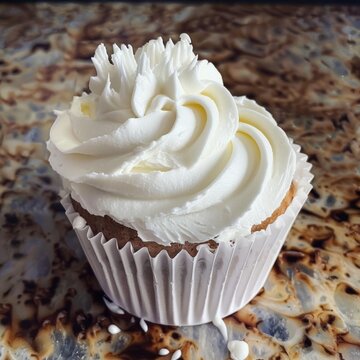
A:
[161,146]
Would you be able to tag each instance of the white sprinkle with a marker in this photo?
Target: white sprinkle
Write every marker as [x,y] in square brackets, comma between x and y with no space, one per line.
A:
[219,323]
[176,355]
[113,329]
[143,325]
[164,352]
[239,350]
[113,307]
[79,222]
[132,320]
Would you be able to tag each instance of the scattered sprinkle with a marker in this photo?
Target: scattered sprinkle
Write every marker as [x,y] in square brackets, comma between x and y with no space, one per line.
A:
[164,352]
[219,323]
[176,355]
[144,325]
[113,329]
[132,320]
[79,222]
[113,307]
[239,350]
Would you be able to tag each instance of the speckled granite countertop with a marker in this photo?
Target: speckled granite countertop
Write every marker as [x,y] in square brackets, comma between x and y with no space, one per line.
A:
[303,63]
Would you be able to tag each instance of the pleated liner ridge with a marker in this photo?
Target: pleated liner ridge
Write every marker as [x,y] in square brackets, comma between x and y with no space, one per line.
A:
[190,290]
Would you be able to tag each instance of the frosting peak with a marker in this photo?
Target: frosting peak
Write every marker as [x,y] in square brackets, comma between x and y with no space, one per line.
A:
[161,146]
[132,81]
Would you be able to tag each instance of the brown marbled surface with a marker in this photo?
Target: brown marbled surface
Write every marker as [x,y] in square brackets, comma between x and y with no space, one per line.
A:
[303,63]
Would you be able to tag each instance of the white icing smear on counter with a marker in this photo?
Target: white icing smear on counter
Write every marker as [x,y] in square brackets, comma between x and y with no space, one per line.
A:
[239,350]
[220,324]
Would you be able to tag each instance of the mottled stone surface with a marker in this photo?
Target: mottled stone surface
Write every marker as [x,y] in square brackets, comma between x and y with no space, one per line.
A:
[303,63]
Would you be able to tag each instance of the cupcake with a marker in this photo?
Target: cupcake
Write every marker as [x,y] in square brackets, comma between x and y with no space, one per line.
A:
[180,193]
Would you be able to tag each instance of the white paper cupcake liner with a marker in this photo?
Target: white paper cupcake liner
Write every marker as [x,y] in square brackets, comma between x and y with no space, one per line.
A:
[189,290]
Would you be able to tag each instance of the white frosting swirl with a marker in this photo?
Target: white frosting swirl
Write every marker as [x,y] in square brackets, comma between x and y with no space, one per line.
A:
[161,146]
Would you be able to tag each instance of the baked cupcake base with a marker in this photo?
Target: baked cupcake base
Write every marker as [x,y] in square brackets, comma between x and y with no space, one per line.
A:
[123,235]
[112,229]
[189,289]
